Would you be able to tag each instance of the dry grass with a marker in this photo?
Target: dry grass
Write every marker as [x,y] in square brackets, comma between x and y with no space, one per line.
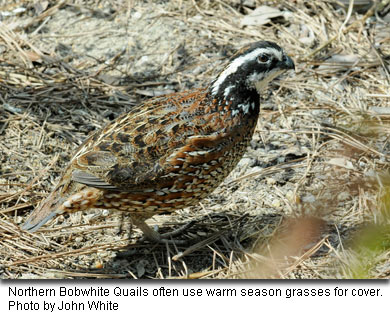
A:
[314,179]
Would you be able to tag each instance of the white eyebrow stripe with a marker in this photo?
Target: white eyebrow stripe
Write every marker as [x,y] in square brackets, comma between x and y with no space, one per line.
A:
[240,61]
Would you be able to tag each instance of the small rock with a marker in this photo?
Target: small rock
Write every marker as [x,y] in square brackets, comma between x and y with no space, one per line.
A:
[308,198]
[141,268]
[137,15]
[98,265]
[244,162]
[270,181]
[343,196]
[290,196]
[276,203]
[249,3]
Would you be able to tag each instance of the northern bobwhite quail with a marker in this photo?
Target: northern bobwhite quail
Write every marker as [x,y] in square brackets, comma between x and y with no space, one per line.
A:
[171,151]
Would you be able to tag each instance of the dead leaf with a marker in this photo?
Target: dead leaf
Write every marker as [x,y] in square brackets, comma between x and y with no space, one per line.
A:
[341,162]
[32,56]
[261,15]
[339,62]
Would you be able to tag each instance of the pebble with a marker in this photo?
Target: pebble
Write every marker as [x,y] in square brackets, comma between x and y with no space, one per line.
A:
[276,203]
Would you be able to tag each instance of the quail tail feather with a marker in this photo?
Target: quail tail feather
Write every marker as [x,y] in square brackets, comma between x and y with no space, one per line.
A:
[34,222]
[42,214]
[59,202]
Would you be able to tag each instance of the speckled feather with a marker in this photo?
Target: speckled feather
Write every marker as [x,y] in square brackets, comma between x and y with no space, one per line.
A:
[166,153]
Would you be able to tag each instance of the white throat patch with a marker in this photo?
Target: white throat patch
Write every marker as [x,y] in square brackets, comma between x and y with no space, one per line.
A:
[263,82]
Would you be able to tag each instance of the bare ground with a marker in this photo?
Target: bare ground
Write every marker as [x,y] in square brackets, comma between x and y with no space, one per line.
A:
[310,199]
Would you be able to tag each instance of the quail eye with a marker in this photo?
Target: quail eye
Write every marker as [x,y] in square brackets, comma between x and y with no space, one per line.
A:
[263,58]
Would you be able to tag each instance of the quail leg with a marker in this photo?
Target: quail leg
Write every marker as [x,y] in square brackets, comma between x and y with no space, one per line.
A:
[154,236]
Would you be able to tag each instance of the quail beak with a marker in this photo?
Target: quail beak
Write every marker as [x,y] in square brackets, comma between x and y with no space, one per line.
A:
[287,63]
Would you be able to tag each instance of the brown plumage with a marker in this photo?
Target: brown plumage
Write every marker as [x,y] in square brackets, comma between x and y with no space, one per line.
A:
[170,151]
